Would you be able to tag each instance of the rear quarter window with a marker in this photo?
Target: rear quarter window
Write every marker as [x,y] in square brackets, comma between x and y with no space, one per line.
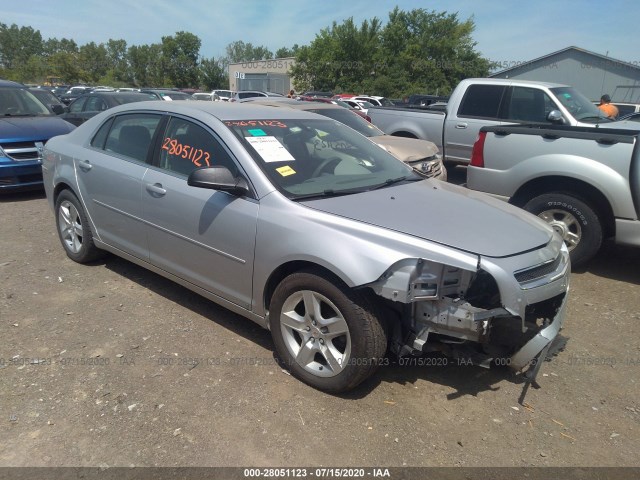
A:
[481,101]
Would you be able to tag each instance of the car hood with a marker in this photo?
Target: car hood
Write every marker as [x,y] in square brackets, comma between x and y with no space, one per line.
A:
[32,128]
[406,149]
[445,214]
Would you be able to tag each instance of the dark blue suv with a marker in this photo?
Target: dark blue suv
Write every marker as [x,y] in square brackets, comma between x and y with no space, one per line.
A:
[25,125]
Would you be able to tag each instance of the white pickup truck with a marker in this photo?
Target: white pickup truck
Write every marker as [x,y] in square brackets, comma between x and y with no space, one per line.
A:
[585,182]
[479,102]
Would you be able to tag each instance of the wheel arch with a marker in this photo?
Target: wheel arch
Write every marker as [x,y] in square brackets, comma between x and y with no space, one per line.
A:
[60,187]
[289,268]
[569,186]
[404,134]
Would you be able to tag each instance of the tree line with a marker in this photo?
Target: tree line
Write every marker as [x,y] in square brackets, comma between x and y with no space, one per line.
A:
[414,51]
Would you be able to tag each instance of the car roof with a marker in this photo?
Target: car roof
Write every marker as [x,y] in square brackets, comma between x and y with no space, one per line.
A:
[220,110]
[9,83]
[298,104]
[512,81]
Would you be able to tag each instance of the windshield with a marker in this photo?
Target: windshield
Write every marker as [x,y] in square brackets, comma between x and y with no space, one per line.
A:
[578,105]
[385,102]
[350,119]
[18,102]
[314,158]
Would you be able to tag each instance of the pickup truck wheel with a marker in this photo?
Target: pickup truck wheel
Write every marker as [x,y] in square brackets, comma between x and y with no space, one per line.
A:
[575,221]
[326,334]
[73,229]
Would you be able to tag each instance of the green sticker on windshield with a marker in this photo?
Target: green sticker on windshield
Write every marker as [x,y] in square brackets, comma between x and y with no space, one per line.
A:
[566,95]
[257,132]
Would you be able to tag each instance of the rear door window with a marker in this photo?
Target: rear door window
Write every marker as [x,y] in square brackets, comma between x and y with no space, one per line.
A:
[131,135]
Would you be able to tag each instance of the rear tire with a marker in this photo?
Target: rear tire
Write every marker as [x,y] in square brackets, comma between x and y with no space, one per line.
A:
[74,230]
[575,221]
[327,335]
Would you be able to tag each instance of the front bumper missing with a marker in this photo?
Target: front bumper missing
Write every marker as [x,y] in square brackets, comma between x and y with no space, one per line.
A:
[534,347]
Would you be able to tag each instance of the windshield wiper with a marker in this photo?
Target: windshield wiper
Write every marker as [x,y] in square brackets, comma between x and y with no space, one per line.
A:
[327,193]
[391,181]
[597,117]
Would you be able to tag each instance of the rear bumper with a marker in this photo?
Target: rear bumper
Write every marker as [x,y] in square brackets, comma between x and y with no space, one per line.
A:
[20,175]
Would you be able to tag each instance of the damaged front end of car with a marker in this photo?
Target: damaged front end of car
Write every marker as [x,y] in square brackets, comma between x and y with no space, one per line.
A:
[508,311]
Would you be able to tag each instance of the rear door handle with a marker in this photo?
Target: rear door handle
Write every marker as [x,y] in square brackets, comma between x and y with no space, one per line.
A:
[156,188]
[461,125]
[85,165]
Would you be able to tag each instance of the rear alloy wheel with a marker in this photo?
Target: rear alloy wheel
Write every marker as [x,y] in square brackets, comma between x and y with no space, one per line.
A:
[328,336]
[574,220]
[73,229]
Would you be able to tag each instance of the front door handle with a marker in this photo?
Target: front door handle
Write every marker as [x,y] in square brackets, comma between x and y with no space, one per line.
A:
[461,125]
[156,188]
[85,165]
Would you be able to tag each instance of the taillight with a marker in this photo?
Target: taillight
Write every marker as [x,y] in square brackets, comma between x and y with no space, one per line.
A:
[367,118]
[477,154]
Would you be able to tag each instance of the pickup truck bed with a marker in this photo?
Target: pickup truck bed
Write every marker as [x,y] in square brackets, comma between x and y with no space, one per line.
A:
[585,182]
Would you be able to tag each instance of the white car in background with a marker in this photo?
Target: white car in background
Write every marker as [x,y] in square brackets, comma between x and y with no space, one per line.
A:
[223,95]
[374,100]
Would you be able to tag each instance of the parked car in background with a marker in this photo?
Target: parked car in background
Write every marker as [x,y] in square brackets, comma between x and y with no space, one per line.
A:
[224,95]
[375,101]
[73,93]
[88,105]
[423,100]
[209,97]
[25,126]
[242,94]
[315,93]
[53,103]
[292,220]
[419,154]
[335,101]
[361,105]
[169,95]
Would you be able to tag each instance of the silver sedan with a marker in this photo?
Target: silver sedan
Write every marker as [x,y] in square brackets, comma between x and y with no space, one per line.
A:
[306,227]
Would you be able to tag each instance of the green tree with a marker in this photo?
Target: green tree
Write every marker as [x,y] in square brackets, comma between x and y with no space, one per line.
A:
[430,52]
[180,59]
[245,52]
[341,57]
[66,66]
[213,74]
[117,59]
[285,52]
[145,65]
[18,44]
[93,61]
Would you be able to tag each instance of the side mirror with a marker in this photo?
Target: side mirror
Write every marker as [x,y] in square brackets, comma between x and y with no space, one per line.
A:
[218,178]
[58,109]
[555,116]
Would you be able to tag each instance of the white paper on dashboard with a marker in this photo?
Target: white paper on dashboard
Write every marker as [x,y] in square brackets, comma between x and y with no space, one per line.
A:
[270,149]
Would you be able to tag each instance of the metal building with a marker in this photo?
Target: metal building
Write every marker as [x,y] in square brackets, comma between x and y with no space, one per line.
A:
[590,73]
[265,75]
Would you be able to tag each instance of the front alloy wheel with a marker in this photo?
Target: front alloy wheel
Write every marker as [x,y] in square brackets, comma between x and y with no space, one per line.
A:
[315,333]
[328,335]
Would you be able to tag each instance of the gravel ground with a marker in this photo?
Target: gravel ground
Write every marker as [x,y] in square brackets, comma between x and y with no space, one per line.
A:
[112,365]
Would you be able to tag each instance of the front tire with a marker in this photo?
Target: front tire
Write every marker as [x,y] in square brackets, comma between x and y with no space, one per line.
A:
[73,229]
[327,335]
[575,221]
